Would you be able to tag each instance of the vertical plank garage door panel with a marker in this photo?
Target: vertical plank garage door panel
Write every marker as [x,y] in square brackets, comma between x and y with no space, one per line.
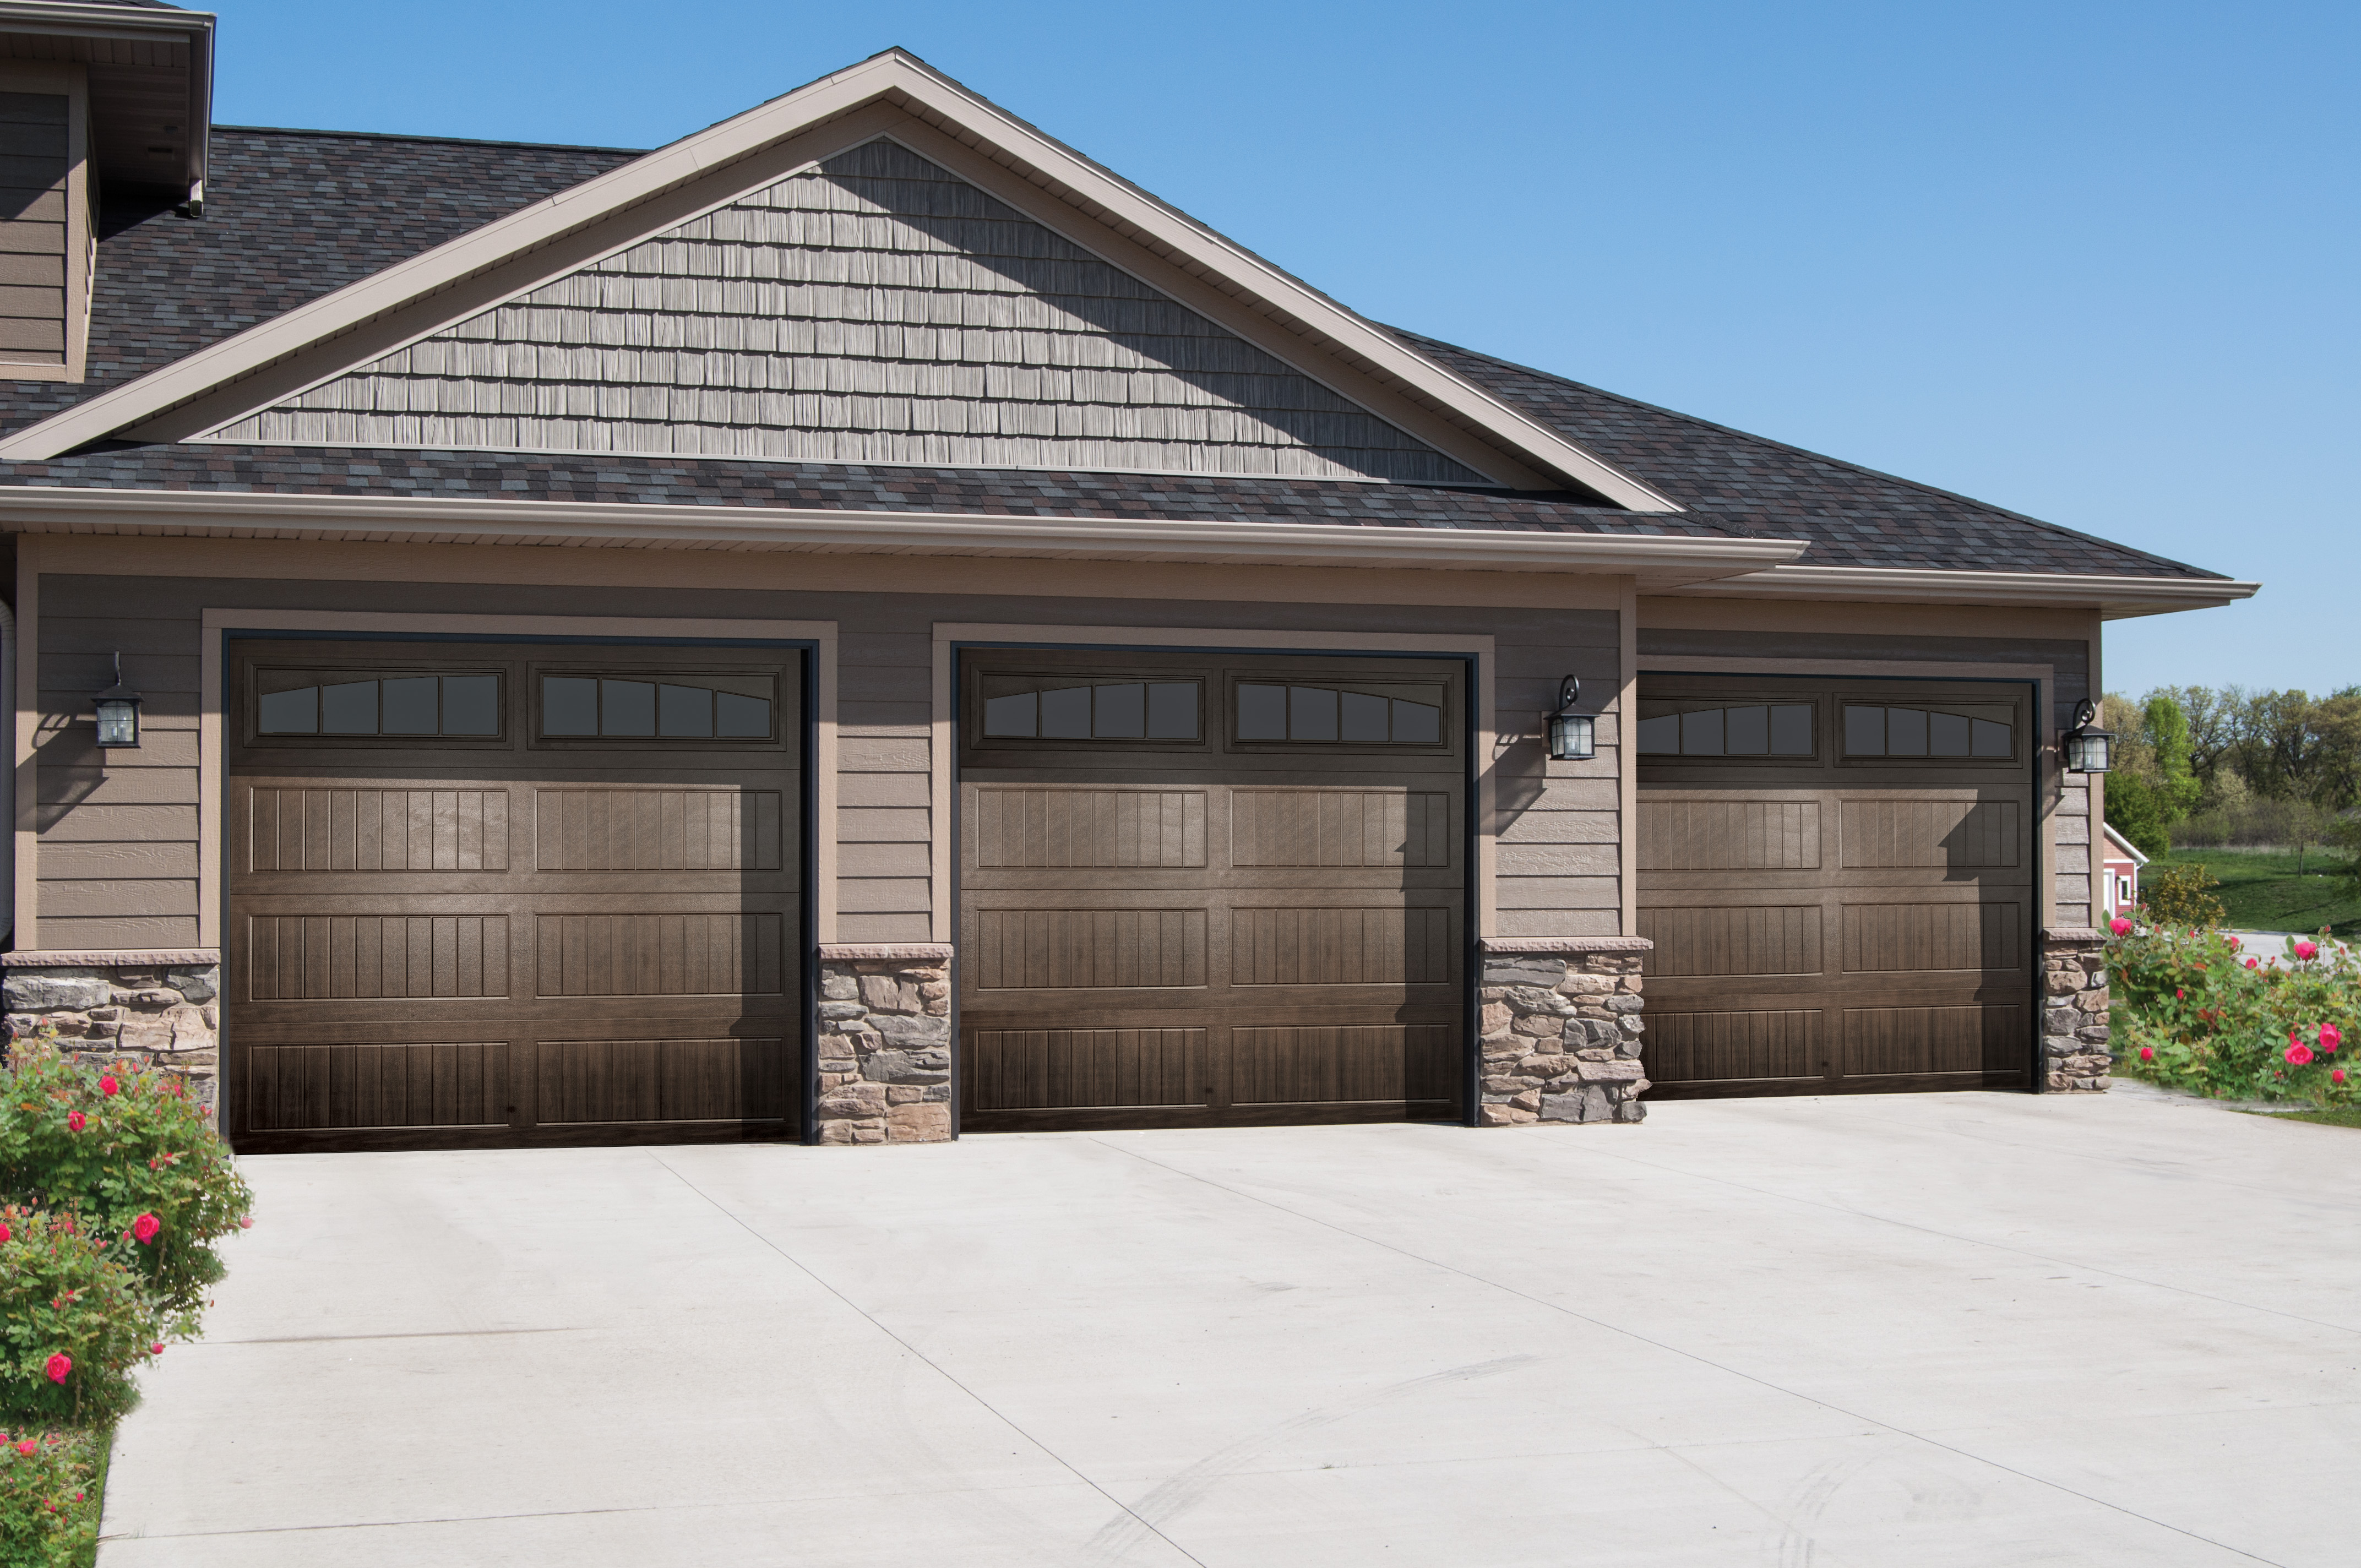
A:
[1207,890]
[507,893]
[1839,878]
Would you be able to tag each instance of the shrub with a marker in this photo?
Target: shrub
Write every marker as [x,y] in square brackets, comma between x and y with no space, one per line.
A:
[74,1321]
[2181,896]
[2202,1013]
[48,1497]
[130,1155]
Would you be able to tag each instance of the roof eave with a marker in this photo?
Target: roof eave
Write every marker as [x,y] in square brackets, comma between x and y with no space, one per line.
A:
[1658,563]
[2115,598]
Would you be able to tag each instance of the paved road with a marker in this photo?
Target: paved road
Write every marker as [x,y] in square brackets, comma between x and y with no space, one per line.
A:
[1974,1330]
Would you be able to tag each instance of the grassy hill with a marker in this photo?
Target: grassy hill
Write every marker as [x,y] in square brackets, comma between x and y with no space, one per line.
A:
[2262,890]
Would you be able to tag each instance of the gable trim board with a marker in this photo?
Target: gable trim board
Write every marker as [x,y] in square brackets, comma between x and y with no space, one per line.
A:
[891,93]
[2115,597]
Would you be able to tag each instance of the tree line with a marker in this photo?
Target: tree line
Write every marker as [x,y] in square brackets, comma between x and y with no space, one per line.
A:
[2224,765]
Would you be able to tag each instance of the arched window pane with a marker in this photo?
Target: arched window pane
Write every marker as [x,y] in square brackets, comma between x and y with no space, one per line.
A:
[1172,710]
[1702,733]
[1262,712]
[1017,715]
[1119,712]
[348,707]
[685,712]
[738,718]
[410,707]
[1864,732]
[293,712]
[569,706]
[626,708]
[1749,731]
[1065,714]
[1364,718]
[1991,740]
[1310,714]
[1791,729]
[1417,723]
[471,705]
[1905,732]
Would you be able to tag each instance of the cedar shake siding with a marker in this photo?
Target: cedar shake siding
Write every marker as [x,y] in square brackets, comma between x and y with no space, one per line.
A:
[877,309]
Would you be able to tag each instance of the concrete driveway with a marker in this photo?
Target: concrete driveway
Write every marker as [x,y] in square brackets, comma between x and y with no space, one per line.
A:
[1979,1329]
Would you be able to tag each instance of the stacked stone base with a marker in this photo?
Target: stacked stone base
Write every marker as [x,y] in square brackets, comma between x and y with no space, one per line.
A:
[156,1011]
[884,1044]
[2074,1036]
[1560,1031]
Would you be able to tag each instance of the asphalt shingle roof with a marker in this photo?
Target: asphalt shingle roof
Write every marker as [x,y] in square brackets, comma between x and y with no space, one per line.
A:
[291,215]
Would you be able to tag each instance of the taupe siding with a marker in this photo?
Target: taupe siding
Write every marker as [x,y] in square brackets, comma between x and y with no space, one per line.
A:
[877,309]
[35,209]
[137,839]
[2066,811]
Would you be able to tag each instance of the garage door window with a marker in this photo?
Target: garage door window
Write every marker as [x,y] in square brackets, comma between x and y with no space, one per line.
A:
[1746,730]
[1927,732]
[619,707]
[339,704]
[1333,716]
[1097,710]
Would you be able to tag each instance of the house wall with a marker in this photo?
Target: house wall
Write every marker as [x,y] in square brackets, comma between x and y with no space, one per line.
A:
[115,842]
[1920,638]
[45,231]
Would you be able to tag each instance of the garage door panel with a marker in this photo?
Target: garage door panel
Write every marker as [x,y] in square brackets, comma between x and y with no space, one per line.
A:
[651,953]
[1328,1062]
[1053,1069]
[1730,835]
[1979,1038]
[1932,835]
[658,829]
[1838,909]
[668,1079]
[1754,1043]
[326,958]
[303,827]
[1305,828]
[1918,937]
[1049,827]
[1778,939]
[322,1087]
[1089,949]
[1332,944]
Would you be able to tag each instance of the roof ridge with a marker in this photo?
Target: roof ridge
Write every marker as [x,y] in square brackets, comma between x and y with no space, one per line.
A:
[1863,468]
[408,136]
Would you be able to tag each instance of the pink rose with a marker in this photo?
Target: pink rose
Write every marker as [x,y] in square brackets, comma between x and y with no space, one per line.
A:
[60,1364]
[2307,950]
[108,1087]
[2120,926]
[246,1223]
[2252,962]
[2331,1036]
[2236,944]
[2147,1053]
[2299,1054]
[75,1121]
[27,1448]
[145,1227]
[2336,1077]
[156,1349]
[6,1232]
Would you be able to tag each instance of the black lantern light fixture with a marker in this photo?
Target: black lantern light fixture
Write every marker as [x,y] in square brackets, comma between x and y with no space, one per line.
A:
[1573,737]
[2086,745]
[118,712]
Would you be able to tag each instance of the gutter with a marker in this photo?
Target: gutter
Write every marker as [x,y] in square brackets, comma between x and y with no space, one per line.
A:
[2115,597]
[1659,561]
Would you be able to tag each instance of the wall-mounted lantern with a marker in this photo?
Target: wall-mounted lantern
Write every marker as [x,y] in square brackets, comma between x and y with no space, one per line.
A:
[118,712]
[2086,745]
[1572,736]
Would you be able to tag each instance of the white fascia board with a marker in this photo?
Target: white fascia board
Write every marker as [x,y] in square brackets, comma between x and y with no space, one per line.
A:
[133,25]
[2115,598]
[908,83]
[2126,845]
[1656,560]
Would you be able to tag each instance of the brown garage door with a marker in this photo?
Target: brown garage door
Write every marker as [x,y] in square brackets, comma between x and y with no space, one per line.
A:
[1208,890]
[1840,880]
[504,894]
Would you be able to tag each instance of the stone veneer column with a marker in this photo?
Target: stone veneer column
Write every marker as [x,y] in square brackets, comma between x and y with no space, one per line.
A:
[2075,1009]
[1560,1030]
[157,1010]
[884,1043]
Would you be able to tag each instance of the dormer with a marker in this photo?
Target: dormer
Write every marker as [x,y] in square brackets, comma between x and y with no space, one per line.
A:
[97,91]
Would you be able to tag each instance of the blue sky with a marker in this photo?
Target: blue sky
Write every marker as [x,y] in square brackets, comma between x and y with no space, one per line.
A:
[2094,262]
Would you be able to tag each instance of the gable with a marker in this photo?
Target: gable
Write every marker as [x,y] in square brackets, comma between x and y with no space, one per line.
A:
[875,308]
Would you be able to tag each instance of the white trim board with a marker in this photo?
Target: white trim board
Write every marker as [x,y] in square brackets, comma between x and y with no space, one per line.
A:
[213,779]
[941,748]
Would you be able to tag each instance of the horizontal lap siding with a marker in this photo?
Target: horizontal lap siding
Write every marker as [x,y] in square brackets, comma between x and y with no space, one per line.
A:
[122,841]
[2068,812]
[1557,864]
[117,860]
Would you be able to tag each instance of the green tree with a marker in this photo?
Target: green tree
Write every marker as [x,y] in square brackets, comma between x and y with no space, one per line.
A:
[2178,790]
[2133,811]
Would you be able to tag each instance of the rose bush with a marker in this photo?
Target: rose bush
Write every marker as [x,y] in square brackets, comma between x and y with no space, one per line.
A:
[74,1323]
[130,1153]
[48,1497]
[2197,1012]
